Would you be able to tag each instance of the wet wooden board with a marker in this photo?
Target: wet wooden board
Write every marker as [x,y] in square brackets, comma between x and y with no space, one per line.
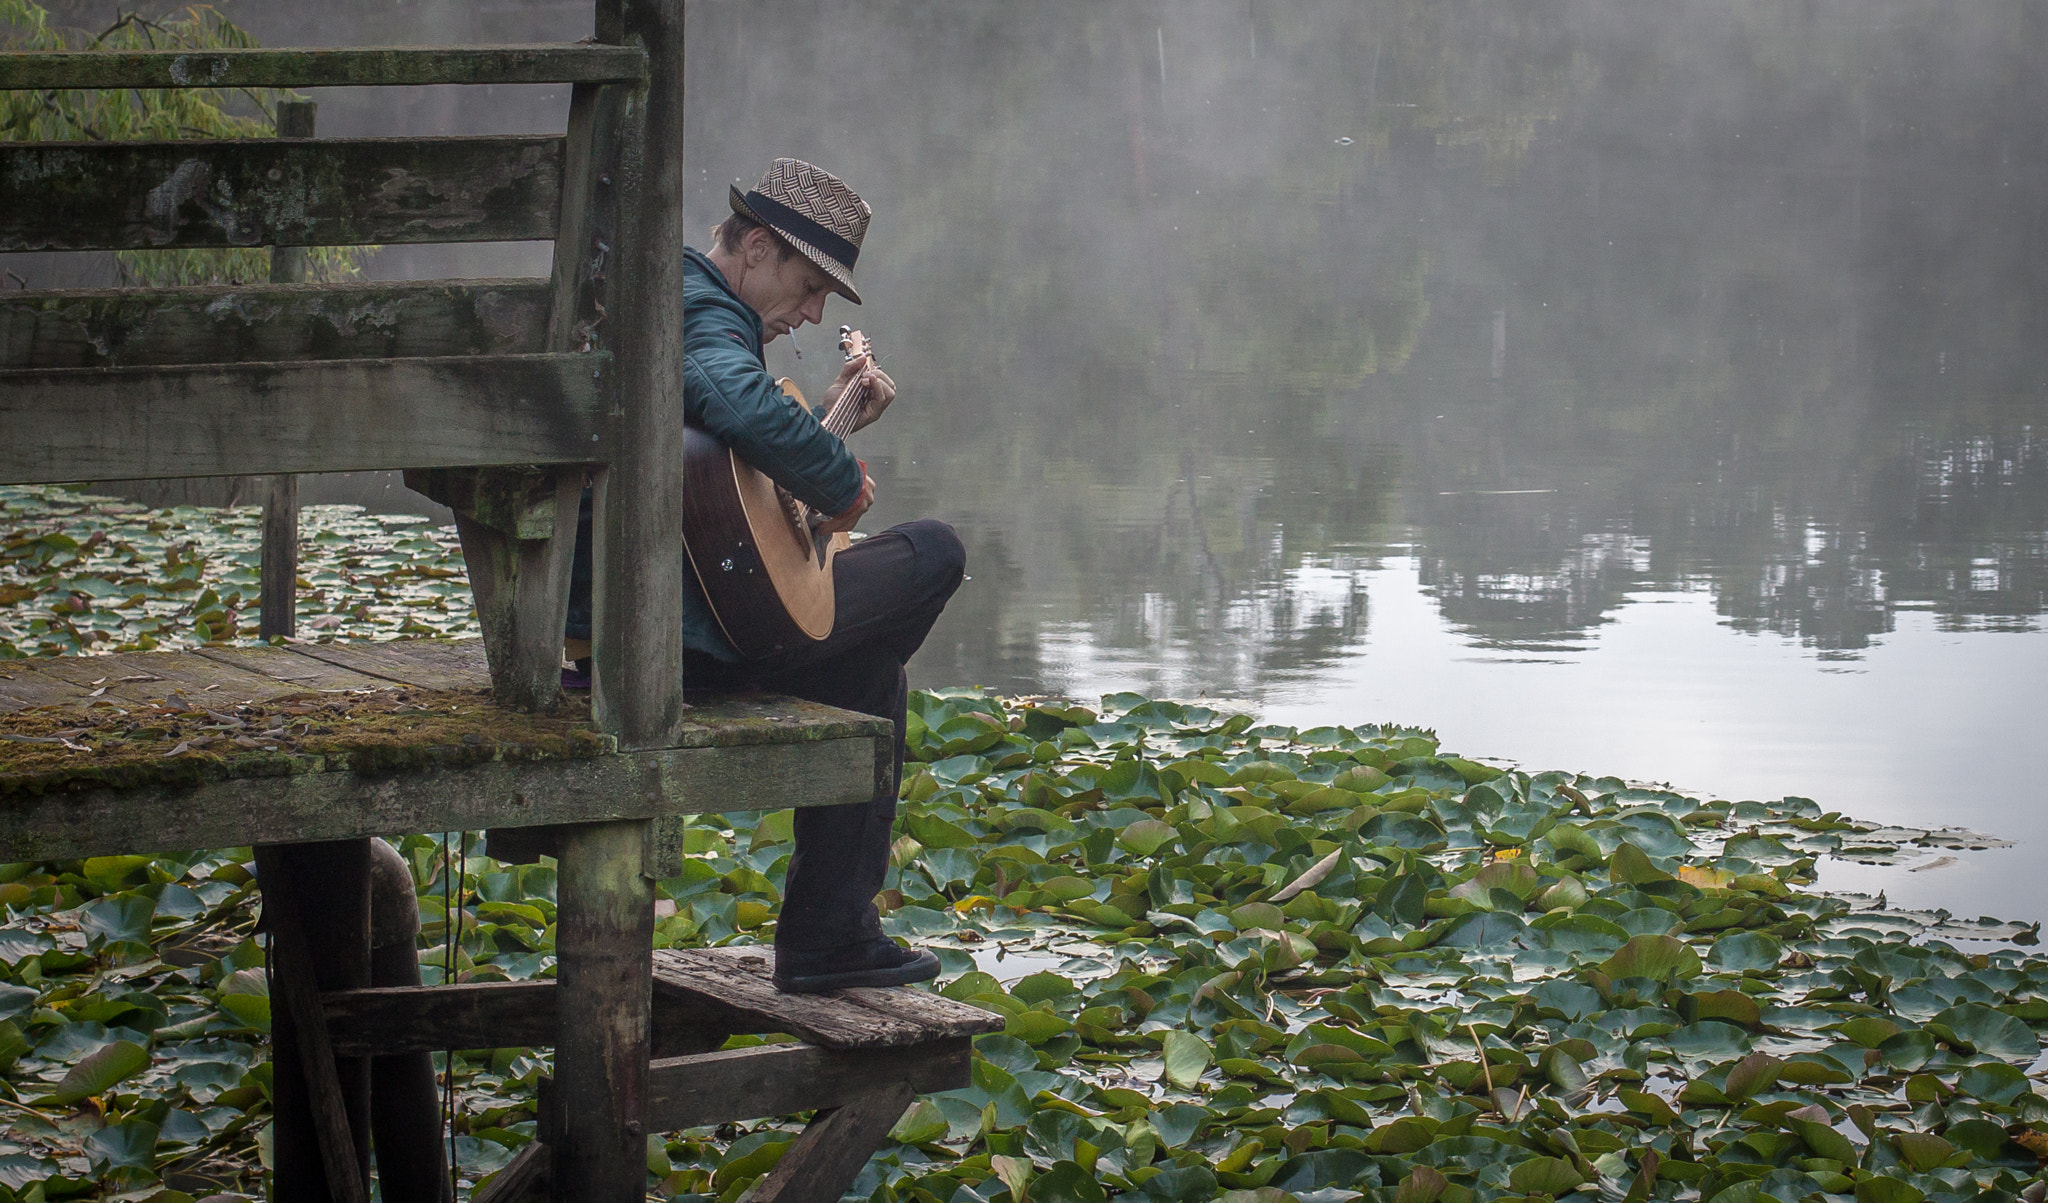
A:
[425,663]
[251,674]
[739,979]
[291,669]
[143,677]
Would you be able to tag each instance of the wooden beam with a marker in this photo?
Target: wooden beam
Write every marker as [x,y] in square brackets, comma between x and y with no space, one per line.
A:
[64,824]
[264,323]
[83,196]
[408,1019]
[822,1162]
[638,634]
[779,1079]
[472,1015]
[321,68]
[71,424]
[604,1021]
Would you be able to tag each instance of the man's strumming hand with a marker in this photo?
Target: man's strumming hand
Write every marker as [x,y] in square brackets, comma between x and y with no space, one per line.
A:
[851,516]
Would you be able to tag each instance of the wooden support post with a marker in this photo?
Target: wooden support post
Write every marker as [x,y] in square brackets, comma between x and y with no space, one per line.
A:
[638,689]
[317,897]
[280,589]
[280,594]
[821,1164]
[604,944]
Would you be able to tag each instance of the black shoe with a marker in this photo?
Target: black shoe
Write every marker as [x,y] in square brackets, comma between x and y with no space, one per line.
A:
[879,962]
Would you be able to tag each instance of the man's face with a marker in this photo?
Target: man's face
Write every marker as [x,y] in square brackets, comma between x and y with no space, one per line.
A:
[786,292]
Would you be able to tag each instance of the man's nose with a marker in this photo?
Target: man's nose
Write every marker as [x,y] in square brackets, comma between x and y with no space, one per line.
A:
[814,310]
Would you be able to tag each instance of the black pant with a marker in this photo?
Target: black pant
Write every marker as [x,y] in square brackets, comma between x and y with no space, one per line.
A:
[889,589]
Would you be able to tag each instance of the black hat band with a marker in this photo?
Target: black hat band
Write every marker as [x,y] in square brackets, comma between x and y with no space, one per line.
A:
[781,216]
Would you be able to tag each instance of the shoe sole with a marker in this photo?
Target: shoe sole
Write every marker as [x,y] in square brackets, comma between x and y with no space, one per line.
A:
[903,975]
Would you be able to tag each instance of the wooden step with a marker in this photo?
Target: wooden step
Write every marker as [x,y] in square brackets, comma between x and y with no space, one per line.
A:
[382,739]
[734,986]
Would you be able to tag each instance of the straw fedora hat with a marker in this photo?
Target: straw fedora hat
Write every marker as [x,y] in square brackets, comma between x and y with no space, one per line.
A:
[815,212]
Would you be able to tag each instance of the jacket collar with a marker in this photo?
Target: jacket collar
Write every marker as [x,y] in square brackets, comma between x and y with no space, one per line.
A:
[692,257]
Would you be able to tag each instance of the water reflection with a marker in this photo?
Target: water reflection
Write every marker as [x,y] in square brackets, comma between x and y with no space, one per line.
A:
[1592,302]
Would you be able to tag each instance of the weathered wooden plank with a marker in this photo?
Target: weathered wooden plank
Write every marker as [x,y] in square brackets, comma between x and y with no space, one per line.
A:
[338,805]
[735,983]
[90,196]
[638,688]
[821,1163]
[604,1019]
[153,676]
[122,327]
[424,663]
[292,672]
[321,416]
[778,1079]
[727,720]
[245,675]
[23,685]
[405,1019]
[321,68]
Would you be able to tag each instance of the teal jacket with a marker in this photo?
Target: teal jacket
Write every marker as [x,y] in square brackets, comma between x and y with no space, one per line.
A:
[728,391]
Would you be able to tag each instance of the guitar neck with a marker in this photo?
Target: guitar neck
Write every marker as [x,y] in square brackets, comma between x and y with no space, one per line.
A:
[847,410]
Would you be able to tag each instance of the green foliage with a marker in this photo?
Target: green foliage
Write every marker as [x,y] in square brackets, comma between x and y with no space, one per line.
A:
[1244,1002]
[88,574]
[157,114]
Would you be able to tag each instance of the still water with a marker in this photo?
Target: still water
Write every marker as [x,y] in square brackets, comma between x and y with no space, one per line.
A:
[1652,390]
[1663,394]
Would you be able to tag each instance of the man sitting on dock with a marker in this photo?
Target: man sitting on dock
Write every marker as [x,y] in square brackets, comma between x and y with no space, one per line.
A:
[788,245]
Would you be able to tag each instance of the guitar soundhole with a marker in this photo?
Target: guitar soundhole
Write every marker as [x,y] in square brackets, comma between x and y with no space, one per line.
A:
[793,518]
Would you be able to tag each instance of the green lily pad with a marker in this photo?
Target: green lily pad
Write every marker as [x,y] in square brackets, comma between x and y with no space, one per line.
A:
[1659,958]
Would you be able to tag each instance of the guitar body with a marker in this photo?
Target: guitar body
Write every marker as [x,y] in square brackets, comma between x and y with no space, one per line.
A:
[767,576]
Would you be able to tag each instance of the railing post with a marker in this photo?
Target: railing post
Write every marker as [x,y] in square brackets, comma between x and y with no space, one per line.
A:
[638,632]
[280,596]
[605,926]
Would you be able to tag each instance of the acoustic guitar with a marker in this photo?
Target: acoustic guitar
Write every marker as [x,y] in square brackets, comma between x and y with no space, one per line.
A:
[756,550]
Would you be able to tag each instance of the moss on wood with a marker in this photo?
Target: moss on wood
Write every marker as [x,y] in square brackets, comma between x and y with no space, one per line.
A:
[184,742]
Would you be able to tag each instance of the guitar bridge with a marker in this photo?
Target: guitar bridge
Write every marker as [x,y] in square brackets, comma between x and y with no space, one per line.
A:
[799,525]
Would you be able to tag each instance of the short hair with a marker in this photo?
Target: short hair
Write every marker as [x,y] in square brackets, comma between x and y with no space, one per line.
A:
[731,232]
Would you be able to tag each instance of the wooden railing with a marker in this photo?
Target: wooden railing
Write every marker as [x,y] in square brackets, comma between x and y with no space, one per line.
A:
[559,381]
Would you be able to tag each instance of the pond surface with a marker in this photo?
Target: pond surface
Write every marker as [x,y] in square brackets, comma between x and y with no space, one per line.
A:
[1651,392]
[1666,394]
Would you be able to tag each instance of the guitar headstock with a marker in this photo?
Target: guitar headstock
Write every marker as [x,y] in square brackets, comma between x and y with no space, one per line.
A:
[854,345]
